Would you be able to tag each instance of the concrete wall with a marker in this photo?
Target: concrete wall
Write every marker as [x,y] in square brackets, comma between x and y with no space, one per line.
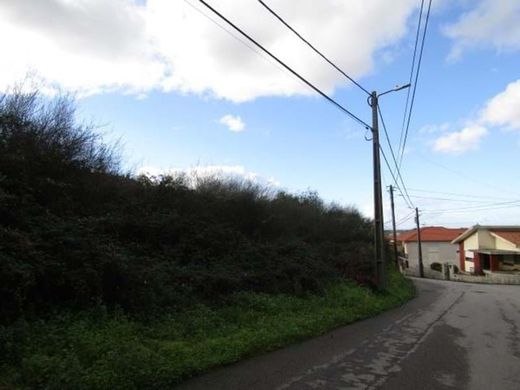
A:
[433,252]
[488,277]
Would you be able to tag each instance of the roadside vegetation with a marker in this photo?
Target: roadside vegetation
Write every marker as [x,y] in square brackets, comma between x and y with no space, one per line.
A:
[108,280]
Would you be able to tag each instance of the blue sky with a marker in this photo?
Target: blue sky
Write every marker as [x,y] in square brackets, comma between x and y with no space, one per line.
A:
[182,94]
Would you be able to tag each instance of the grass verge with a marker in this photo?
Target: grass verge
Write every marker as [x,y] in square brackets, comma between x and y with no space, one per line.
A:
[99,350]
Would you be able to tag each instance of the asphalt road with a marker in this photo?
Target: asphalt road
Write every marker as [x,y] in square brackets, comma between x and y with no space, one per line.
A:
[452,336]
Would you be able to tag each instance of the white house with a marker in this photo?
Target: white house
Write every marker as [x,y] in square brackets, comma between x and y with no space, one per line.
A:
[437,247]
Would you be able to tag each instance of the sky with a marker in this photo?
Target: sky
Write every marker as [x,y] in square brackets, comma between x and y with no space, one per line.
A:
[183,92]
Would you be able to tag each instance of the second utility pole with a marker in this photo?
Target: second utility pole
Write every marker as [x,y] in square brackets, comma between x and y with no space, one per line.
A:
[419,244]
[378,200]
[396,255]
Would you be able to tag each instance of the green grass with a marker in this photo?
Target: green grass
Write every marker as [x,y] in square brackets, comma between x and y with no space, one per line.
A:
[95,349]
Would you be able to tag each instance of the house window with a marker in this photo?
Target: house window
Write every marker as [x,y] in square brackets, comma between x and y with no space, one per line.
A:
[470,259]
[511,260]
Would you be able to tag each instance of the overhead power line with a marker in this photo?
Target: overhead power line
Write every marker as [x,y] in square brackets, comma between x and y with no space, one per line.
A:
[311,46]
[415,82]
[412,68]
[405,218]
[459,194]
[464,175]
[240,40]
[489,206]
[296,74]
[397,169]
[407,200]
[463,211]
[451,199]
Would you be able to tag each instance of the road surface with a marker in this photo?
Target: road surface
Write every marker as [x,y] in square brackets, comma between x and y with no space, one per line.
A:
[452,336]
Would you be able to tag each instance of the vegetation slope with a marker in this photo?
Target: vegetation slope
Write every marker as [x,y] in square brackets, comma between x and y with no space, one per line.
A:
[111,280]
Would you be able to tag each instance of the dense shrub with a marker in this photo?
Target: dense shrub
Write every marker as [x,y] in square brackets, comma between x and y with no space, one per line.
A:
[76,232]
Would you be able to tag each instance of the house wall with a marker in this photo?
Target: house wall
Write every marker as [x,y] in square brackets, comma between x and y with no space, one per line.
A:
[469,266]
[433,252]
[462,252]
[471,242]
[485,240]
[505,245]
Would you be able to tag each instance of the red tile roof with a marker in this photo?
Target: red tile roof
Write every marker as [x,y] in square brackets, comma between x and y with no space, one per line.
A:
[511,236]
[431,234]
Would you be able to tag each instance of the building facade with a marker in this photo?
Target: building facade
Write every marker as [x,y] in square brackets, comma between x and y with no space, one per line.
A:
[489,248]
[437,248]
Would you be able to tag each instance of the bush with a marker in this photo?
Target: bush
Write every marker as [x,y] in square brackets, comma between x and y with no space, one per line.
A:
[75,232]
[436,267]
[100,350]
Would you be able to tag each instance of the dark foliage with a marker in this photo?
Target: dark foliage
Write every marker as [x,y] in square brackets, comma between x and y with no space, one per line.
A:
[75,232]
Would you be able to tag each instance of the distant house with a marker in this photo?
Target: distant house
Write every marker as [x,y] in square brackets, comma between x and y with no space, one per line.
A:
[489,248]
[437,247]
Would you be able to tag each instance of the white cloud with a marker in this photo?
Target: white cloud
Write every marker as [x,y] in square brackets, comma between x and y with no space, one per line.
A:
[435,129]
[493,23]
[149,170]
[94,46]
[504,108]
[206,171]
[460,141]
[233,123]
[86,46]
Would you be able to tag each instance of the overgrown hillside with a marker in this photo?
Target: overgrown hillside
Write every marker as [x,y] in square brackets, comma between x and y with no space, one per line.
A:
[76,232]
[113,281]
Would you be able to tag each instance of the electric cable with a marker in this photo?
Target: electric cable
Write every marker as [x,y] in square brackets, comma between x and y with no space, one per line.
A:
[450,199]
[460,194]
[417,34]
[397,168]
[415,82]
[240,40]
[489,206]
[309,84]
[409,203]
[311,46]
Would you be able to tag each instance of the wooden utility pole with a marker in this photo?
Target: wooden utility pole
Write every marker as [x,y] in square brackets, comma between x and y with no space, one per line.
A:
[396,255]
[419,246]
[378,199]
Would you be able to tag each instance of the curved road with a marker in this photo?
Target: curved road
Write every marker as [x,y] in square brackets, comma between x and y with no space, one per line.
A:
[452,336]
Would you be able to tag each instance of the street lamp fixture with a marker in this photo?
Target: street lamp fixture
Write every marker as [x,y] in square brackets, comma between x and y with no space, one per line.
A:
[397,88]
